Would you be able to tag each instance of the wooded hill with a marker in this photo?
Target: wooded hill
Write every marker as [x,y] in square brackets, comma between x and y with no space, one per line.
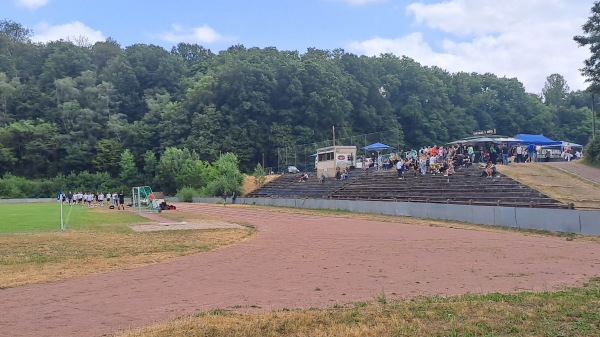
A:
[73,106]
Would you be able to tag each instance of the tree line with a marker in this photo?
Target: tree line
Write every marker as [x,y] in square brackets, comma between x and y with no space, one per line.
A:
[72,106]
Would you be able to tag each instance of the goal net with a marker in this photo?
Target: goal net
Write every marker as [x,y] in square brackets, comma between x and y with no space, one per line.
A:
[143,200]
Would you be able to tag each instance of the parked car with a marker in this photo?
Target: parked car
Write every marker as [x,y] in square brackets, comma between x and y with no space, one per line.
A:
[292,169]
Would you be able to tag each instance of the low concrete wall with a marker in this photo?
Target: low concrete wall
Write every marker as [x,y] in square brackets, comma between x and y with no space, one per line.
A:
[560,220]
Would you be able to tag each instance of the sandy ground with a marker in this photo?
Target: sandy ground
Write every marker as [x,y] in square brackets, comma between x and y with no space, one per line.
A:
[169,226]
[291,256]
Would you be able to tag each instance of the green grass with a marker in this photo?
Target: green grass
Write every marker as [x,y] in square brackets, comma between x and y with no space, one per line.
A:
[45,217]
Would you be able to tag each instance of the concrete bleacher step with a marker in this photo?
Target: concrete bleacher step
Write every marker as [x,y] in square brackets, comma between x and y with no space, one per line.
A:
[466,186]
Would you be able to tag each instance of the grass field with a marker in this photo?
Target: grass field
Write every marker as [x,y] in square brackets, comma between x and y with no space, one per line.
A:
[96,240]
[45,217]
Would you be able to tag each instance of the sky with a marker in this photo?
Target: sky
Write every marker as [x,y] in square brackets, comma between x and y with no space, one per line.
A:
[526,39]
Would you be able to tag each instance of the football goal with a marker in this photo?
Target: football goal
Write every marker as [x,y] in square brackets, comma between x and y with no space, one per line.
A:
[143,200]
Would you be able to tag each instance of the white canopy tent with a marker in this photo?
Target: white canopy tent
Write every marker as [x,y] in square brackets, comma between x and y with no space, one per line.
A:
[484,139]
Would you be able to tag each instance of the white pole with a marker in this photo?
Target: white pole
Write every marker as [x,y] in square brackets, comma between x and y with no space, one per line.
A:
[333,131]
[62,224]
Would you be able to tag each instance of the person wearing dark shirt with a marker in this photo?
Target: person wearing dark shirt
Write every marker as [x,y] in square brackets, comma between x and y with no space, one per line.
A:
[121,201]
[505,154]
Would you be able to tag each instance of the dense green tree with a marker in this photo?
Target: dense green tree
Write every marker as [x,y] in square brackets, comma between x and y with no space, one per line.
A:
[170,166]
[104,51]
[592,151]
[128,96]
[555,90]
[64,59]
[15,31]
[128,172]
[149,167]
[154,67]
[68,106]
[591,39]
[195,57]
[224,176]
[109,156]
[7,90]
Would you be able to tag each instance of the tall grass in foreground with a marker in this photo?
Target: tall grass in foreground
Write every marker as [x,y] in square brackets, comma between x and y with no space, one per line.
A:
[573,312]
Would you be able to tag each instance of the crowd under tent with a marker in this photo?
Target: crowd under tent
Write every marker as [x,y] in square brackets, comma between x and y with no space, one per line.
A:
[377,147]
[473,140]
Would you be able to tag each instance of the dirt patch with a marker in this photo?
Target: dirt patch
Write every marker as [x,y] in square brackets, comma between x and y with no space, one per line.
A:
[170,226]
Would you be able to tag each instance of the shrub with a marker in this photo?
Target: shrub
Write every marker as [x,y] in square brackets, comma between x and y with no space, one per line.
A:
[259,176]
[592,151]
[187,194]
[18,187]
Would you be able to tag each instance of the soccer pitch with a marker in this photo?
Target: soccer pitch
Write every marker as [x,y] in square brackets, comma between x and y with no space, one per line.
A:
[45,217]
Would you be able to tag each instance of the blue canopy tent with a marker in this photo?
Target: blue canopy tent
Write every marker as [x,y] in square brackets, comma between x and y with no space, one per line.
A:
[378,147]
[535,140]
[539,141]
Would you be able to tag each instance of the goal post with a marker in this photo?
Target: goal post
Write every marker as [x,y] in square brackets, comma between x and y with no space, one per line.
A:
[143,200]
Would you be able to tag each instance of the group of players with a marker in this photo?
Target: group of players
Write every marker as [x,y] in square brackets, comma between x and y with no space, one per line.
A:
[96,200]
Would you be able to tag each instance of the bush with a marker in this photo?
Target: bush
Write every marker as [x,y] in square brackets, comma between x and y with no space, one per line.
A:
[187,194]
[592,151]
[17,187]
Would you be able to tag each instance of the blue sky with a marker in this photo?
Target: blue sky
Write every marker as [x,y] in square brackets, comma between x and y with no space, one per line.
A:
[526,39]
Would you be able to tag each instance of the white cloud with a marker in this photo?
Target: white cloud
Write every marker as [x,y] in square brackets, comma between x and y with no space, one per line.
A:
[528,40]
[31,4]
[68,31]
[202,34]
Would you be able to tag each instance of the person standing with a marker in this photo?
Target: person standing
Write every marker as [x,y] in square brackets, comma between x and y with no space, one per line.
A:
[531,152]
[121,200]
[568,152]
[400,168]
[504,154]
[471,153]
[493,153]
[519,154]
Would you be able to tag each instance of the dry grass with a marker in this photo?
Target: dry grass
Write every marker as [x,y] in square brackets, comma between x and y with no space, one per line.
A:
[573,312]
[46,257]
[555,183]
[249,186]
